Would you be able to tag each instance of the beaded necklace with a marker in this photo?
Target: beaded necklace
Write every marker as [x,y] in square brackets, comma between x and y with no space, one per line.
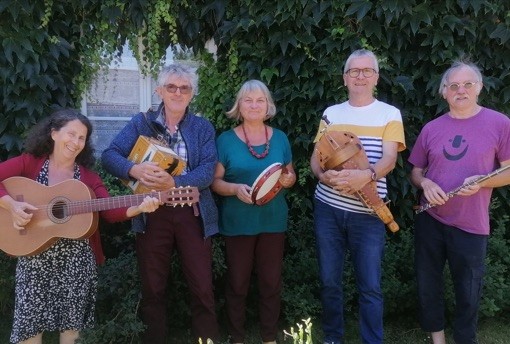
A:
[250,147]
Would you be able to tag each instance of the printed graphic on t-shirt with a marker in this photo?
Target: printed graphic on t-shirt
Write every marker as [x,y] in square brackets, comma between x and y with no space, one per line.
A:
[457,148]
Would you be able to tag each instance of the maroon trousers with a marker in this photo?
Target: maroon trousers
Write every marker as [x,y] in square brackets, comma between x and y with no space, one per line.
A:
[264,253]
[169,228]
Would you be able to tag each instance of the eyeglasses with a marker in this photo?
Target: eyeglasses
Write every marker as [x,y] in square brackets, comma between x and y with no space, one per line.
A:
[367,72]
[454,86]
[185,89]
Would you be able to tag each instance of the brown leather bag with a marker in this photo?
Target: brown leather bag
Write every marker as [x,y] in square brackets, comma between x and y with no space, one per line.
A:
[338,150]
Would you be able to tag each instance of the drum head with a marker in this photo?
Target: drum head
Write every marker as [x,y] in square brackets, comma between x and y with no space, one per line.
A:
[267,184]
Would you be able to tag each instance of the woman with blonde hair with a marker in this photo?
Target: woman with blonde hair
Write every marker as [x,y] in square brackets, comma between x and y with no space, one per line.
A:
[254,234]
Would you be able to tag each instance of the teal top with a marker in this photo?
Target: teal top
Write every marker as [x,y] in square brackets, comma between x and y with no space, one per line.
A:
[237,217]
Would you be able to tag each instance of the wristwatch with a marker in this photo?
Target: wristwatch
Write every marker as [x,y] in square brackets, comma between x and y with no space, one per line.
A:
[374,175]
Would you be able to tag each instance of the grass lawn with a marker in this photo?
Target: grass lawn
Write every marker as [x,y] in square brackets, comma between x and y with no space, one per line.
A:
[490,331]
[407,331]
[397,331]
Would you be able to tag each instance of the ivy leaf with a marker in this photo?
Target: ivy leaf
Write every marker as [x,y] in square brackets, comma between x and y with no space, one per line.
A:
[267,74]
[4,4]
[8,44]
[3,125]
[396,7]
[502,32]
[112,13]
[451,21]
[13,10]
[372,27]
[405,82]
[39,36]
[217,9]
[9,141]
[475,4]
[28,70]
[442,36]
[360,7]
[283,39]
[25,43]
[319,10]
[420,15]
[53,51]
[305,38]
[297,61]
[506,94]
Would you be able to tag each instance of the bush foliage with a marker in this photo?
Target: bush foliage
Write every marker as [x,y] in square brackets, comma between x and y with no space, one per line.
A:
[51,50]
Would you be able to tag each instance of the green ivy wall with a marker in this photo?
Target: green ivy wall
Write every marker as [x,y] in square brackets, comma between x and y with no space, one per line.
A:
[51,50]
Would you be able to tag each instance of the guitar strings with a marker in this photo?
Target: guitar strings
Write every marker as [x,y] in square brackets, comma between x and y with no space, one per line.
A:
[178,197]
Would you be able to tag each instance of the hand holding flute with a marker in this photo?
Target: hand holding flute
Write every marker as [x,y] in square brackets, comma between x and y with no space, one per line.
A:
[470,187]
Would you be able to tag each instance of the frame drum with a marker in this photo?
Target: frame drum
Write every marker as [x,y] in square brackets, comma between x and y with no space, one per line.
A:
[267,184]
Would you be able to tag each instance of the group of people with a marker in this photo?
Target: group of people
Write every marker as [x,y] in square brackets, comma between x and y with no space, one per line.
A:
[59,148]
[451,152]
[454,149]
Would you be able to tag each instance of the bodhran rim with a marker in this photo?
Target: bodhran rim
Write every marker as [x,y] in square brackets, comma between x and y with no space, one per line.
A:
[267,185]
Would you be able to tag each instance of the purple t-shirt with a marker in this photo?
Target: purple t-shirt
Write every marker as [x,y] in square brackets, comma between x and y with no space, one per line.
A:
[453,149]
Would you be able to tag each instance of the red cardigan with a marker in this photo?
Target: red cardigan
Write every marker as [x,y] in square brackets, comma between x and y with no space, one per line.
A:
[29,166]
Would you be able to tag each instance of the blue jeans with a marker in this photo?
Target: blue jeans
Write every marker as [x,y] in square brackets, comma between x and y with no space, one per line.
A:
[337,231]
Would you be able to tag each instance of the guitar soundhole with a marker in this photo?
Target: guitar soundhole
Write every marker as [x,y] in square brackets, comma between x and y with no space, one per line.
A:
[58,210]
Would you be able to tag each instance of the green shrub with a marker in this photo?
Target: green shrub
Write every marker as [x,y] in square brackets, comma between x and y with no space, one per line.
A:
[300,297]
[7,270]
[117,303]
[496,282]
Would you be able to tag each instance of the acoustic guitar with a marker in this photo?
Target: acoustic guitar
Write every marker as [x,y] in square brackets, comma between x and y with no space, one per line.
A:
[67,210]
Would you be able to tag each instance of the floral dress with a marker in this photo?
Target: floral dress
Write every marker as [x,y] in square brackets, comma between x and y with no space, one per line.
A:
[56,289]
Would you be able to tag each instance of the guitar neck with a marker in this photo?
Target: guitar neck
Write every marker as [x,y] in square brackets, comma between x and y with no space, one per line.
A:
[100,204]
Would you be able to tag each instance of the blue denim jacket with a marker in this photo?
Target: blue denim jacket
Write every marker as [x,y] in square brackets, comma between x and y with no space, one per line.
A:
[199,137]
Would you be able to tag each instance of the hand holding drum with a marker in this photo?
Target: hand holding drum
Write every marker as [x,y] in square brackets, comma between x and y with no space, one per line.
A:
[268,184]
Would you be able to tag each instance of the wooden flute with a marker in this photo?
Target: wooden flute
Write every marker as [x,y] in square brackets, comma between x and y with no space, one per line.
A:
[457,190]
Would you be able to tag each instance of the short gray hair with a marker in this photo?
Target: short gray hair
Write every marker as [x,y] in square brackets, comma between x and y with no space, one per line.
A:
[360,53]
[458,64]
[249,86]
[181,71]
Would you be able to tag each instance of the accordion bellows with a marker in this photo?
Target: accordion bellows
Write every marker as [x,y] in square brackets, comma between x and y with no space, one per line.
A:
[149,149]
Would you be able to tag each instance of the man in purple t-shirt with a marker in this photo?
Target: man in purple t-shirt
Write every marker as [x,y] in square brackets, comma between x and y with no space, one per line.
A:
[452,150]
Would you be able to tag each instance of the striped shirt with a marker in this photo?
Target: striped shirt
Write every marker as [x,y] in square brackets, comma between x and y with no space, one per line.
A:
[372,124]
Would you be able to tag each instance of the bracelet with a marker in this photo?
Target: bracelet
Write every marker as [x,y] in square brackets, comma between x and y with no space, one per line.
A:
[373,176]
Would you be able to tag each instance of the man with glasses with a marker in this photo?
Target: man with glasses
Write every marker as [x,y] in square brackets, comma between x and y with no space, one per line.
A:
[173,228]
[453,150]
[342,223]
